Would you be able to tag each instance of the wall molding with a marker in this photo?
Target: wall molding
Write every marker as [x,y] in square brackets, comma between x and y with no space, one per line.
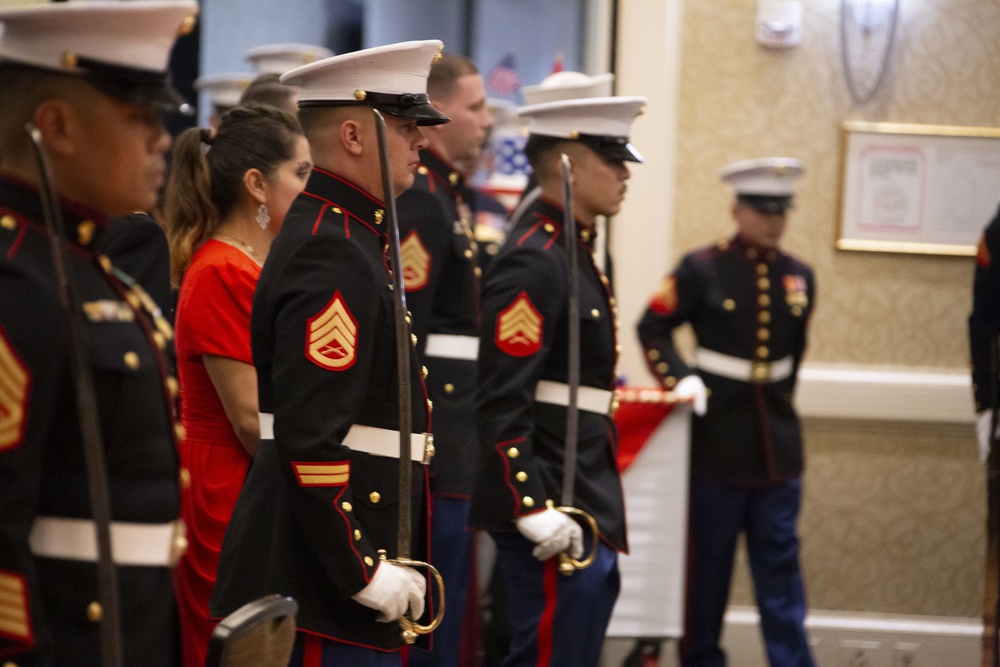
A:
[845,391]
[857,638]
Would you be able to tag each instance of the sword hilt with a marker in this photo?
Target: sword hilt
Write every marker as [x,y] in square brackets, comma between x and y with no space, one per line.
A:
[567,564]
[410,628]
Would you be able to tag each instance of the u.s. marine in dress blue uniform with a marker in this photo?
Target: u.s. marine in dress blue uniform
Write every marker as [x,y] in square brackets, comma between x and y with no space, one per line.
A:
[524,301]
[749,306]
[50,606]
[320,506]
[523,348]
[316,508]
[441,278]
[745,303]
[523,392]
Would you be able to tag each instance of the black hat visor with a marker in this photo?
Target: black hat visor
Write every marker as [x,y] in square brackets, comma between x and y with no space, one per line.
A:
[767,204]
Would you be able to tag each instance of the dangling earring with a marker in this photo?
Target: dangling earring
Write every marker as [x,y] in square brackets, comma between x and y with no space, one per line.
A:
[263,217]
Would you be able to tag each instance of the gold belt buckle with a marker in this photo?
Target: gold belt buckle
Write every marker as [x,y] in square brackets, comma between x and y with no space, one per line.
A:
[760,371]
[428,448]
[178,543]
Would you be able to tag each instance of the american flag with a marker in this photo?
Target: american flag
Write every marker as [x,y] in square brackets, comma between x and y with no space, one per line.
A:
[502,79]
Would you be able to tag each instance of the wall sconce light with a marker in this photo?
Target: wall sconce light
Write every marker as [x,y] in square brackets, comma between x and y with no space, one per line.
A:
[779,23]
[867,31]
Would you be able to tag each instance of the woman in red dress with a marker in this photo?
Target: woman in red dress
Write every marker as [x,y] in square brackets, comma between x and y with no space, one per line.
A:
[226,198]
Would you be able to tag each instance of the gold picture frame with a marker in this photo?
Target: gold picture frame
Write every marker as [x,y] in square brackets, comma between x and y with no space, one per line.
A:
[919,189]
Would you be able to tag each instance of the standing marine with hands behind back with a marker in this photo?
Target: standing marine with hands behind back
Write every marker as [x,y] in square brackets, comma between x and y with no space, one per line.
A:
[321,500]
[749,305]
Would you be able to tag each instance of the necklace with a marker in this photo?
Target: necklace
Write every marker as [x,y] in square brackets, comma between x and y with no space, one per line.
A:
[244,245]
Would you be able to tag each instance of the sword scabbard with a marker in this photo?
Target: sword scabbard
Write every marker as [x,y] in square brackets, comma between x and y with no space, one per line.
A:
[410,629]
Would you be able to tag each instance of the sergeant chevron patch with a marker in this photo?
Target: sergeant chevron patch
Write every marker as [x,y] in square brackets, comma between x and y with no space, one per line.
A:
[332,336]
[14,380]
[519,328]
[416,262]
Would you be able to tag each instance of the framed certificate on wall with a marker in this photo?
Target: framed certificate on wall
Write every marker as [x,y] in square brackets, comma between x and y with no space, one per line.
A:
[928,189]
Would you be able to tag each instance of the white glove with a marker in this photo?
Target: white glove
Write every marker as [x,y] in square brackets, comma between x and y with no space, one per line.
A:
[392,591]
[983,422]
[552,532]
[691,388]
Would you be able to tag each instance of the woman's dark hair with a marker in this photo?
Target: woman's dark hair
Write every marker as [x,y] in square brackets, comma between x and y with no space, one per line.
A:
[207,169]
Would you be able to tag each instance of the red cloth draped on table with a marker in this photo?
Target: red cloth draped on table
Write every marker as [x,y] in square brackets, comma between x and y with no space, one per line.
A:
[640,413]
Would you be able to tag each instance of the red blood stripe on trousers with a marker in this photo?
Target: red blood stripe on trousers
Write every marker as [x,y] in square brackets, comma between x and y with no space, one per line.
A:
[550,587]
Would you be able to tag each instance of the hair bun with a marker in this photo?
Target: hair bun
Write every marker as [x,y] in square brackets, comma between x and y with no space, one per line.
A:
[208,136]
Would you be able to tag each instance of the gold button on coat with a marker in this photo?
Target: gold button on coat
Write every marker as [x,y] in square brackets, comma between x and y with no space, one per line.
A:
[368,561]
[85,232]
[357,534]
[374,496]
[95,612]
[528,501]
[764,300]
[521,476]
[513,452]
[729,304]
[347,506]
[131,360]
[449,388]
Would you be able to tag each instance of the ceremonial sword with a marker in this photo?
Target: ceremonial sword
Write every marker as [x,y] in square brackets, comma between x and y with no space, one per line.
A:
[568,564]
[112,653]
[404,538]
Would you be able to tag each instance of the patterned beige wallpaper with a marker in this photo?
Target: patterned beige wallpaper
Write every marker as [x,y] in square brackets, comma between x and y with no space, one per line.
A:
[893,514]
[892,521]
